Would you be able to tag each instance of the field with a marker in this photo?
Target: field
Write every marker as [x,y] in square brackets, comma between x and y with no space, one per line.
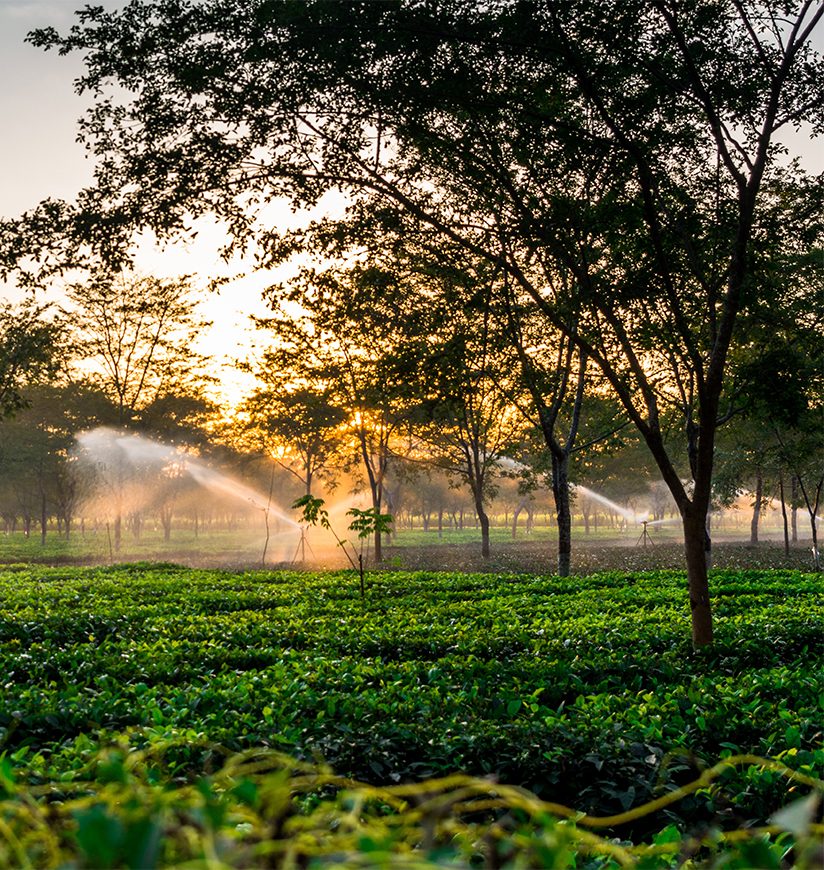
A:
[410,549]
[583,691]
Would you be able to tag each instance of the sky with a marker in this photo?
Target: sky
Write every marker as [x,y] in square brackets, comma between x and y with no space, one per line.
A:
[40,158]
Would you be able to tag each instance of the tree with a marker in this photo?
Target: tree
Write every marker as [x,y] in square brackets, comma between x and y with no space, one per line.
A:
[299,427]
[462,416]
[37,452]
[625,145]
[790,417]
[325,349]
[439,296]
[30,350]
[554,375]
[136,337]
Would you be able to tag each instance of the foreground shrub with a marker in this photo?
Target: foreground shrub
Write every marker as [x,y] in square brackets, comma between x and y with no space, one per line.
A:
[264,809]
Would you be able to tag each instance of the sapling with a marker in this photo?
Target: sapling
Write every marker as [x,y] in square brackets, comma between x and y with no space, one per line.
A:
[364,522]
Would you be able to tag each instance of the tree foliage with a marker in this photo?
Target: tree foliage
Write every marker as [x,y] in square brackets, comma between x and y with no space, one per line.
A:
[613,159]
[32,348]
[136,334]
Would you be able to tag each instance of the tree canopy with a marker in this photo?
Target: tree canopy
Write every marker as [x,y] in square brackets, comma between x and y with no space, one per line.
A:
[618,161]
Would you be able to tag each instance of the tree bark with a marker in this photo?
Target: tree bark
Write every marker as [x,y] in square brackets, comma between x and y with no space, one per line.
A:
[377,504]
[695,546]
[756,510]
[482,518]
[784,515]
[563,514]
[794,508]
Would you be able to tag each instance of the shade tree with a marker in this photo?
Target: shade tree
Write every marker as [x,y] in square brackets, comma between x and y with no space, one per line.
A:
[457,316]
[37,455]
[318,339]
[624,145]
[463,416]
[32,349]
[134,337]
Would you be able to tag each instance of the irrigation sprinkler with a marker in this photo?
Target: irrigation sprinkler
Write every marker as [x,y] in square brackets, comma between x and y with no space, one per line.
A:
[645,536]
[303,544]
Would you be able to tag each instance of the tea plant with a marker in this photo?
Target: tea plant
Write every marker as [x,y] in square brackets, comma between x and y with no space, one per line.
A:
[583,690]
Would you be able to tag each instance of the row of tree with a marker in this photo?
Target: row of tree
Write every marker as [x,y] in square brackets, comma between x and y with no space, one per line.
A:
[412,392]
[50,481]
[609,176]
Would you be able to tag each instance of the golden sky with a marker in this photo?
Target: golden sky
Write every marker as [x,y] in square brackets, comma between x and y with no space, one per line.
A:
[39,158]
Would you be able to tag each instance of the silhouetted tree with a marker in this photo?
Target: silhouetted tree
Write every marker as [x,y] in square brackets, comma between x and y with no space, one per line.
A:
[624,145]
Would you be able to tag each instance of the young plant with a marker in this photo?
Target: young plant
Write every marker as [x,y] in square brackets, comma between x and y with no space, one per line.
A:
[364,522]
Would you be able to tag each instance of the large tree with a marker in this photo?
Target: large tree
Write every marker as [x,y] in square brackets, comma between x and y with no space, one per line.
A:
[480,345]
[135,337]
[624,145]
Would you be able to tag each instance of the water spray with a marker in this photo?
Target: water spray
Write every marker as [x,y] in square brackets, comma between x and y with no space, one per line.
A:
[111,451]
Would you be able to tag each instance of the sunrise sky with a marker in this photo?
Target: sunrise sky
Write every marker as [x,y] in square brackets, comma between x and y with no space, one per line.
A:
[40,158]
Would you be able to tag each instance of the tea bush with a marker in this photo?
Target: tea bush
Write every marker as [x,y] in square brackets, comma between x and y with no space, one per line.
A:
[585,691]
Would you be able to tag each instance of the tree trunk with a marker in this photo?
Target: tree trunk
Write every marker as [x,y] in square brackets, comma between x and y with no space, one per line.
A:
[481,516]
[440,522]
[695,546]
[44,520]
[515,515]
[756,510]
[563,514]
[784,515]
[376,504]
[794,508]
[378,536]
[484,523]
